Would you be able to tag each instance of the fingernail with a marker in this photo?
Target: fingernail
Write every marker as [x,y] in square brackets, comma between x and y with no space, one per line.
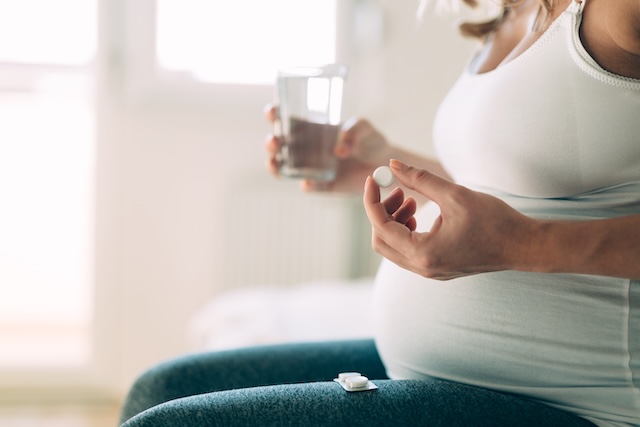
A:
[398,165]
[340,151]
[306,185]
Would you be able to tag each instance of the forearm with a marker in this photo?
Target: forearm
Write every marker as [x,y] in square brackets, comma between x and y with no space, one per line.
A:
[607,247]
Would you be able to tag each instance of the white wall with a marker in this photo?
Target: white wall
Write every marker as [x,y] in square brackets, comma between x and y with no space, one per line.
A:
[164,172]
[411,72]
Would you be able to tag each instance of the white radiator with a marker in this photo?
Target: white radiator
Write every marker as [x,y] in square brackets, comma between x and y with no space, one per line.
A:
[281,236]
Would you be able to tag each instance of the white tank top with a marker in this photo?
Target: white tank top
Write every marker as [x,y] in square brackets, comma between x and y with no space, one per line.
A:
[555,136]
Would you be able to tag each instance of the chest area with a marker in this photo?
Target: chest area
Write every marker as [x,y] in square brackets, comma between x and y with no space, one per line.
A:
[552,132]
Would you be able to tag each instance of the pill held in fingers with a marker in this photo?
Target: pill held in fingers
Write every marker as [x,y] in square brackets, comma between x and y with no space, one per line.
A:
[383,176]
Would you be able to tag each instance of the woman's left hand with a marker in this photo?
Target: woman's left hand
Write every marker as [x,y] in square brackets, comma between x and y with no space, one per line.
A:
[474,233]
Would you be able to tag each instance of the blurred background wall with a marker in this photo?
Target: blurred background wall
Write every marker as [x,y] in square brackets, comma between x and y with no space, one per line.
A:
[184,208]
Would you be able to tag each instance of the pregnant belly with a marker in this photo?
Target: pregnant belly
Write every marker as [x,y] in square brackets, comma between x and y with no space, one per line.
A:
[503,330]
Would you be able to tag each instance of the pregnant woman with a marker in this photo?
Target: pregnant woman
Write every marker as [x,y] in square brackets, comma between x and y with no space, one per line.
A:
[510,292]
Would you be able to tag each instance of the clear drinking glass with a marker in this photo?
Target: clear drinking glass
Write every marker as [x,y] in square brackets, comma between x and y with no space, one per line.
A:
[309,112]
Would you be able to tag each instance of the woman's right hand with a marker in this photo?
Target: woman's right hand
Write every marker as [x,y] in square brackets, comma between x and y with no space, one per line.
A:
[360,149]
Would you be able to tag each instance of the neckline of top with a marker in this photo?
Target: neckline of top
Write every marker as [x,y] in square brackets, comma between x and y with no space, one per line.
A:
[575,8]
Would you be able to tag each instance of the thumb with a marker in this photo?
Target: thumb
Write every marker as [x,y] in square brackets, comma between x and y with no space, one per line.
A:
[420,180]
[346,139]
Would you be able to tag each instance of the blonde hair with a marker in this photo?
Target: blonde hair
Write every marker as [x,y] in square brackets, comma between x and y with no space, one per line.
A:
[481,30]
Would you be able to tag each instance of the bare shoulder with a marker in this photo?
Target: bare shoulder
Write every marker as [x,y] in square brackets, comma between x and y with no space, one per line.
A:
[611,33]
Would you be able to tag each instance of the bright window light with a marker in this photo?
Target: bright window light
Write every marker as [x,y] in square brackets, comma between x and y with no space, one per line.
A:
[60,32]
[46,256]
[47,145]
[318,94]
[244,42]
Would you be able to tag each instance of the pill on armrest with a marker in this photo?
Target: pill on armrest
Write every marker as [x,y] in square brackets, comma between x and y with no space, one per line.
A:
[357,382]
[354,381]
[344,375]
[383,176]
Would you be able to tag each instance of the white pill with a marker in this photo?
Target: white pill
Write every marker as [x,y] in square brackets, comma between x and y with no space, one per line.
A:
[383,176]
[344,375]
[357,382]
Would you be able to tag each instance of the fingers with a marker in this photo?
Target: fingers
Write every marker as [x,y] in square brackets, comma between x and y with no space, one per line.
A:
[272,143]
[405,214]
[272,147]
[400,208]
[375,210]
[346,139]
[391,231]
[270,112]
[381,247]
[352,130]
[466,238]
[309,186]
[395,211]
[429,185]
[394,201]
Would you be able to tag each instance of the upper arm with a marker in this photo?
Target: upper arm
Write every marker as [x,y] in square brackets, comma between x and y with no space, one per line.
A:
[623,24]
[610,32]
